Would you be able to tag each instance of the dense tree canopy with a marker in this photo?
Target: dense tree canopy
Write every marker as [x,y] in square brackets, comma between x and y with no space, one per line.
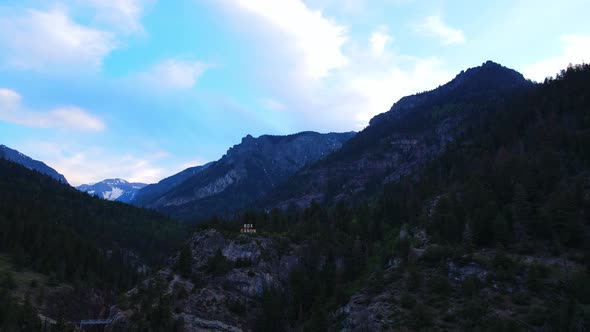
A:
[56,230]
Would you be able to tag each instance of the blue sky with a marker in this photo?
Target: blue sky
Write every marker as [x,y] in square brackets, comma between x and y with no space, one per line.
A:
[141,89]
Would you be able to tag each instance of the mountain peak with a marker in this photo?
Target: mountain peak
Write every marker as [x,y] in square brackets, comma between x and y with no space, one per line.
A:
[115,181]
[489,79]
[491,63]
[113,189]
[494,72]
[247,138]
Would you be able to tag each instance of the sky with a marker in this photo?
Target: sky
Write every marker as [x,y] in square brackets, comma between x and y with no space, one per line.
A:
[142,89]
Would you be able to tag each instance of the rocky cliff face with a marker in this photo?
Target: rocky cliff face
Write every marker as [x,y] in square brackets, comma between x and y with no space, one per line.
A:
[152,192]
[246,172]
[19,158]
[432,297]
[414,131]
[226,284]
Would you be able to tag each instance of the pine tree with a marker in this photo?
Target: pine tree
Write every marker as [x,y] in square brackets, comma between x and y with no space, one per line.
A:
[521,212]
[468,237]
[357,256]
[444,221]
[184,261]
[500,228]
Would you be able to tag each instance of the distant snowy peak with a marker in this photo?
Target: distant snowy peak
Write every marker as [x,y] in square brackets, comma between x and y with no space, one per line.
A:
[113,189]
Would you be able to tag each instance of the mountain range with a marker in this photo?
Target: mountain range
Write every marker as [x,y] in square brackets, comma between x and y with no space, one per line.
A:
[462,208]
[245,173]
[294,170]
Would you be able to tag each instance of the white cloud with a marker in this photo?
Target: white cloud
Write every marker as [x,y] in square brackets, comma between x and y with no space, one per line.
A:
[346,95]
[377,89]
[9,99]
[68,117]
[44,40]
[433,26]
[576,50]
[379,40]
[74,117]
[91,164]
[355,8]
[317,39]
[273,104]
[174,74]
[121,15]
[365,89]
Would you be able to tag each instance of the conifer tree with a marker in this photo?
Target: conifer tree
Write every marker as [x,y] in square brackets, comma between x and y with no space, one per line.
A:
[184,261]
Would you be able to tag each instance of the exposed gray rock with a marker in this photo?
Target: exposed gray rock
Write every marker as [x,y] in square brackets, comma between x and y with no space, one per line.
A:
[367,312]
[152,192]
[472,269]
[197,324]
[213,297]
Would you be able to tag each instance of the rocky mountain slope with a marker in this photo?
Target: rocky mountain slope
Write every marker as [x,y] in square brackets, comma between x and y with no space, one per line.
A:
[415,130]
[152,192]
[39,166]
[113,189]
[246,172]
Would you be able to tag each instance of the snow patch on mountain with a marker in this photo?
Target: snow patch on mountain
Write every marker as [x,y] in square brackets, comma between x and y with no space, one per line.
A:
[113,190]
[113,194]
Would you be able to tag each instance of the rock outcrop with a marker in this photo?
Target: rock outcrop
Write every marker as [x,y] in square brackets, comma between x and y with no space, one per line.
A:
[227,281]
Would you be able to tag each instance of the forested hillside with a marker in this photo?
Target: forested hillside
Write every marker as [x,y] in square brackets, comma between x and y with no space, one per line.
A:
[492,236]
[50,222]
[73,238]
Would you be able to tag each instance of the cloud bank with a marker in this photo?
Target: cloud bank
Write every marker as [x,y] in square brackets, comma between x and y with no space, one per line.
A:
[49,40]
[66,117]
[346,79]
[315,38]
